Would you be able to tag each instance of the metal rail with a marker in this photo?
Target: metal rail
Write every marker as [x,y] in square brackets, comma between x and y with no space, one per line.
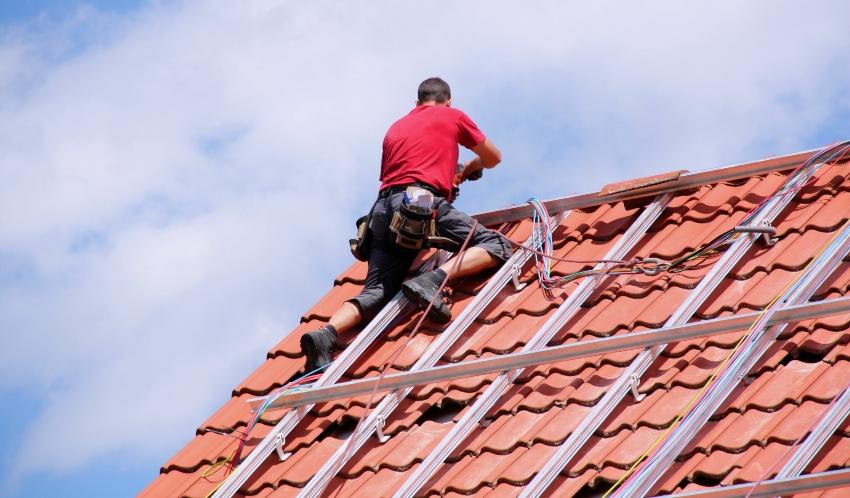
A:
[398,307]
[554,354]
[509,271]
[826,427]
[497,388]
[689,180]
[632,374]
[754,347]
[776,487]
[399,303]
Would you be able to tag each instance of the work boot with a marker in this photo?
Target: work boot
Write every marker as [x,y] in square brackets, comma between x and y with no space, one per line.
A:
[317,346]
[422,288]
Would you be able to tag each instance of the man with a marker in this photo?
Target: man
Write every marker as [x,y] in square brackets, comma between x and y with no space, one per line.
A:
[420,149]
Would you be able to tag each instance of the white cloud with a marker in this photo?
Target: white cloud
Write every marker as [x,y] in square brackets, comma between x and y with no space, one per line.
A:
[179,188]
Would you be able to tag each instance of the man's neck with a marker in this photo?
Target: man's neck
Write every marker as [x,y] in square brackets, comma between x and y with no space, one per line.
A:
[433,103]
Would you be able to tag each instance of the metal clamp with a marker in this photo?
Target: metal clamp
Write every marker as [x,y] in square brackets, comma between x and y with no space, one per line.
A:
[634,384]
[658,266]
[379,429]
[279,441]
[515,273]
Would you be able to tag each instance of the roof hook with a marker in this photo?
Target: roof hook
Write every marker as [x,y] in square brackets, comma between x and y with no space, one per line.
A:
[764,229]
[515,273]
[279,441]
[379,429]
[635,383]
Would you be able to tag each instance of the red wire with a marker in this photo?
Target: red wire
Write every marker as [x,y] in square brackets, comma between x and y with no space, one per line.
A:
[244,439]
[409,336]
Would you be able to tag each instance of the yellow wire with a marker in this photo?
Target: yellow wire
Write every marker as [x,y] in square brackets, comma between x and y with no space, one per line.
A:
[213,469]
[214,489]
[711,378]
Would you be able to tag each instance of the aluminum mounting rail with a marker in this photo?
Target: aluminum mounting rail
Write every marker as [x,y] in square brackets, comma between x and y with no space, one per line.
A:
[552,326]
[775,487]
[632,374]
[554,354]
[826,427]
[690,180]
[398,307]
[754,346]
[374,422]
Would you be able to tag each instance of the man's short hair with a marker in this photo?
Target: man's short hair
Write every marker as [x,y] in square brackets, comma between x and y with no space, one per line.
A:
[434,89]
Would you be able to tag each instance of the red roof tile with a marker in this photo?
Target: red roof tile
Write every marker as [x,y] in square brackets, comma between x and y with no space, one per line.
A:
[746,440]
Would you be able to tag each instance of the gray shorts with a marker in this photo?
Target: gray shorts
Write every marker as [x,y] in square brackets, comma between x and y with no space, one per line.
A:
[389,263]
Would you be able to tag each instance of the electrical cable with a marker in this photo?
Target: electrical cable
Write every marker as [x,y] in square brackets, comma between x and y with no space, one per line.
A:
[760,322]
[796,443]
[542,235]
[410,335]
[302,383]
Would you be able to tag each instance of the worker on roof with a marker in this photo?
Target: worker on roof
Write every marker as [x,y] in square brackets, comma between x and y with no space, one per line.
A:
[420,156]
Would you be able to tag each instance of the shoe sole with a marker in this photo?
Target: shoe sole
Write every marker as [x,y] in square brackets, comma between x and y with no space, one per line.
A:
[414,292]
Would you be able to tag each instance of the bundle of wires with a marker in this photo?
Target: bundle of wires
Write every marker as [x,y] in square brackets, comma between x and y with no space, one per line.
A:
[541,236]
[542,233]
[745,345]
[301,384]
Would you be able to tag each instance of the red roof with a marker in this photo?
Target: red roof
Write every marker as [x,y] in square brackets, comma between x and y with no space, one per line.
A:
[779,401]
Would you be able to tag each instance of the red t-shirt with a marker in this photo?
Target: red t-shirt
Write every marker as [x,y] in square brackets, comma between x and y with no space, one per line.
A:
[422,147]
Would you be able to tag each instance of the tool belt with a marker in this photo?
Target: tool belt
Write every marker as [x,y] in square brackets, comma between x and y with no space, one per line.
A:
[413,226]
[363,243]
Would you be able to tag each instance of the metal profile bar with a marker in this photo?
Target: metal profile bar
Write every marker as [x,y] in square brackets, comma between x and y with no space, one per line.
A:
[825,428]
[554,354]
[429,358]
[497,388]
[690,180]
[775,487]
[621,387]
[399,306]
[754,347]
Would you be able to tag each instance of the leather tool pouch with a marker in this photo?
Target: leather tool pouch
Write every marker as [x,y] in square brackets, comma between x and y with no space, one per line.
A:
[363,243]
[412,226]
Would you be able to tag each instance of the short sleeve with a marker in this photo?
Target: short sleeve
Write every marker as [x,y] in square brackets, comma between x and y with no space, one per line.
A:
[468,133]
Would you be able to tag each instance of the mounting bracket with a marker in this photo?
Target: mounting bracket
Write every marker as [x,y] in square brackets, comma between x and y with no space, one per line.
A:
[279,441]
[515,273]
[379,429]
[764,229]
[634,382]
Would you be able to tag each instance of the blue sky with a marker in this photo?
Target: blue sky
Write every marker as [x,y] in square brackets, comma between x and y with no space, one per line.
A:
[180,178]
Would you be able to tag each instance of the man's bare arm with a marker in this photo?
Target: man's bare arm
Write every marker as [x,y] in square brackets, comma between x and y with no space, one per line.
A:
[488,156]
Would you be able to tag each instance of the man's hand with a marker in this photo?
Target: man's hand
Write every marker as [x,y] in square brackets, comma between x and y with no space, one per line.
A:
[488,157]
[475,175]
[463,173]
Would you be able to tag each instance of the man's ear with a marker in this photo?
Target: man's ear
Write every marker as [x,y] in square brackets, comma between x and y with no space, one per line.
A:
[449,103]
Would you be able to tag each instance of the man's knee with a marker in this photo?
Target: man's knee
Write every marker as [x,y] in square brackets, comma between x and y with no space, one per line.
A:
[369,302]
[494,243]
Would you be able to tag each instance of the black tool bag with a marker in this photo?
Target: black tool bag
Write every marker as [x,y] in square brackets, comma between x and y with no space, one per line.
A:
[363,243]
